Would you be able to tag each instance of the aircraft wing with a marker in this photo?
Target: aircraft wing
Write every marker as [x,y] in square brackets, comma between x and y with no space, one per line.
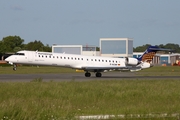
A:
[94,69]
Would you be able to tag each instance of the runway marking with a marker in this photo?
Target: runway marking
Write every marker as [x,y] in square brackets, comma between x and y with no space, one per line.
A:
[151,115]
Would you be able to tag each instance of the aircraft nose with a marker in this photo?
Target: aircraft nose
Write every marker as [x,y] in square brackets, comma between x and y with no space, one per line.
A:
[7,59]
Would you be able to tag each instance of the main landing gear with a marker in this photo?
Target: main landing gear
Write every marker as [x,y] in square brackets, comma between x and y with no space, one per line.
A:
[98,74]
[14,67]
[87,74]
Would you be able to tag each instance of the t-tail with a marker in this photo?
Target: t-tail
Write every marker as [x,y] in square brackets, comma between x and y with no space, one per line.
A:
[149,54]
[145,60]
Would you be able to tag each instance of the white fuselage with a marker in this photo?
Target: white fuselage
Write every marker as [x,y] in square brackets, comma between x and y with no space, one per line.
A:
[95,64]
[65,60]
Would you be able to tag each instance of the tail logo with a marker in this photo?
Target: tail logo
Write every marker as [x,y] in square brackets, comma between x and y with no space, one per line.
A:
[150,53]
[148,56]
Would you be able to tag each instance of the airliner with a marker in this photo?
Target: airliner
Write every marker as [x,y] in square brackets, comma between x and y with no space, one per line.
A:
[88,64]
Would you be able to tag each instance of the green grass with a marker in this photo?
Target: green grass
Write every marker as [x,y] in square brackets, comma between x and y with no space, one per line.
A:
[160,71]
[65,100]
[156,70]
[34,69]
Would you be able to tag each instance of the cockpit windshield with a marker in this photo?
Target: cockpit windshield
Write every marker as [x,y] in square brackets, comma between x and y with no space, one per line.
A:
[19,54]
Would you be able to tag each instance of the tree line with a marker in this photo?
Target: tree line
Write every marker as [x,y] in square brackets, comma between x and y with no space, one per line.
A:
[12,44]
[174,47]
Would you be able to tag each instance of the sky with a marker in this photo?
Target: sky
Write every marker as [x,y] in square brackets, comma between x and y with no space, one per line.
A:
[84,22]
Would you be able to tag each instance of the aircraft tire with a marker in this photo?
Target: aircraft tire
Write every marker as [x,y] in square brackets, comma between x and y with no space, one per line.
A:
[87,74]
[98,74]
[14,68]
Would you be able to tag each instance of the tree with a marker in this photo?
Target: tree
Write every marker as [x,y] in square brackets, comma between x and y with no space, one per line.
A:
[9,43]
[97,49]
[47,48]
[16,49]
[36,45]
[141,48]
[174,47]
[2,48]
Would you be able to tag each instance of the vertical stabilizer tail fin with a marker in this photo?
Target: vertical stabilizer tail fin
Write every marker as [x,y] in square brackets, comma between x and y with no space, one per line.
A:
[150,53]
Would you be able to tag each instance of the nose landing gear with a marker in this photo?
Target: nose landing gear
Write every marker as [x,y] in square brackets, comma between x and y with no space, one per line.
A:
[14,67]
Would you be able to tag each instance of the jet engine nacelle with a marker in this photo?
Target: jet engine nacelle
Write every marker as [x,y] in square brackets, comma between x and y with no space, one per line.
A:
[131,61]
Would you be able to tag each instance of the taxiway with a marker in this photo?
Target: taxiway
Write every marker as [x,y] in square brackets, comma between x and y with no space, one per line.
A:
[78,77]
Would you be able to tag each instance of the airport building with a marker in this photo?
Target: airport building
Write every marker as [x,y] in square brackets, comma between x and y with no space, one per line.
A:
[116,47]
[161,59]
[76,49]
[111,47]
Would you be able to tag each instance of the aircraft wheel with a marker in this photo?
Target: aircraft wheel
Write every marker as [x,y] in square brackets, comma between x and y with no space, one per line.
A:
[87,74]
[98,74]
[14,68]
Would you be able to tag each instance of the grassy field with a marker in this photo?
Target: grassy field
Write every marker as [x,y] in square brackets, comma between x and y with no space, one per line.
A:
[65,100]
[34,69]
[161,71]
[156,70]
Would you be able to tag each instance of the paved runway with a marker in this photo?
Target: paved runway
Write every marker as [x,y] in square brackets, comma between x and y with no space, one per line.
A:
[78,77]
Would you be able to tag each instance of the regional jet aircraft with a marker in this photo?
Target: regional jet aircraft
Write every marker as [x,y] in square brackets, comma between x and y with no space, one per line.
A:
[96,64]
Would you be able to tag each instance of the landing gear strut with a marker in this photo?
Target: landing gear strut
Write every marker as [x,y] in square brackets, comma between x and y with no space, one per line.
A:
[87,74]
[14,67]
